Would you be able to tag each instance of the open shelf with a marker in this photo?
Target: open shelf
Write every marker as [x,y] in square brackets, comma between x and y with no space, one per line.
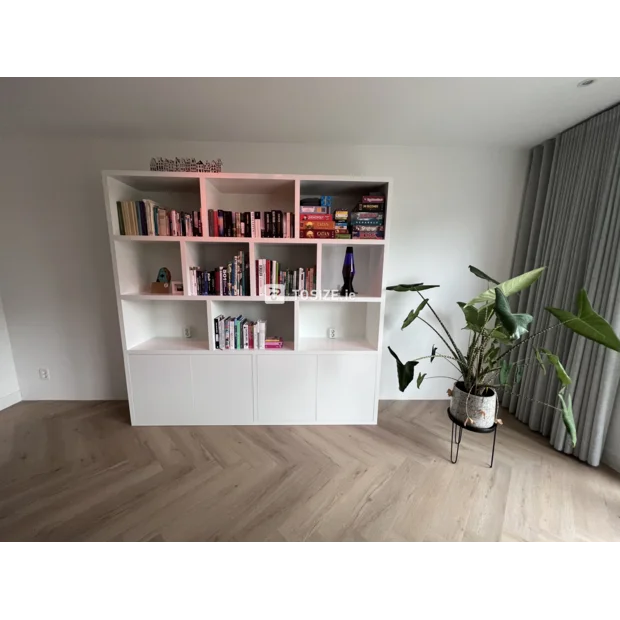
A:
[351,299]
[254,298]
[280,317]
[148,320]
[146,297]
[368,269]
[250,194]
[139,263]
[356,325]
[287,347]
[148,238]
[181,193]
[346,195]
[210,256]
[335,345]
[171,345]
[290,257]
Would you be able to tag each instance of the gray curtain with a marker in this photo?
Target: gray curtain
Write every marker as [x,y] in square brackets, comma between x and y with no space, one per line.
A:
[570,223]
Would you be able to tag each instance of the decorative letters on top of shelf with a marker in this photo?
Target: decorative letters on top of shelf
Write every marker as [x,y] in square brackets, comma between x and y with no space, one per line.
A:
[184,164]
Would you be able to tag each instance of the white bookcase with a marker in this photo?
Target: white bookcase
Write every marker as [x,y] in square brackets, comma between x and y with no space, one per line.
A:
[173,380]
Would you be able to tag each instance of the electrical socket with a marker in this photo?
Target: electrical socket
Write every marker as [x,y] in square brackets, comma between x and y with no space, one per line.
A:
[187,332]
[44,374]
[331,332]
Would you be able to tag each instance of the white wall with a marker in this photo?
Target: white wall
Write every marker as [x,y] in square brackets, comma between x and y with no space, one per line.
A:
[451,208]
[9,387]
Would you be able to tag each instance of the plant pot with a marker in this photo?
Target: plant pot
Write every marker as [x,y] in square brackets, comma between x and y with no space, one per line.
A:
[472,410]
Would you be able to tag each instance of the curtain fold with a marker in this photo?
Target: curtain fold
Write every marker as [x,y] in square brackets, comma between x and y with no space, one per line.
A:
[570,223]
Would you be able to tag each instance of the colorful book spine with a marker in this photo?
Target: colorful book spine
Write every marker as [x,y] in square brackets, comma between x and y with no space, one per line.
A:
[320,225]
[371,200]
[366,235]
[317,234]
[147,218]
[313,209]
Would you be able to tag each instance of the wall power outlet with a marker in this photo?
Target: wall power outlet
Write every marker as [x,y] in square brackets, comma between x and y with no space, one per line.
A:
[44,374]
[331,332]
[187,332]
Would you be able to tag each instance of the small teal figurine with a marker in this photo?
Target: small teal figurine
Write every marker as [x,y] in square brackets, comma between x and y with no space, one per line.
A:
[164,276]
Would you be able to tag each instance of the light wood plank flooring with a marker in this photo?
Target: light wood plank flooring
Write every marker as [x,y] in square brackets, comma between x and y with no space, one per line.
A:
[78,471]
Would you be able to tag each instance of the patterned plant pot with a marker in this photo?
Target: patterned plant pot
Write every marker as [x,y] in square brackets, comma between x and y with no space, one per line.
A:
[472,410]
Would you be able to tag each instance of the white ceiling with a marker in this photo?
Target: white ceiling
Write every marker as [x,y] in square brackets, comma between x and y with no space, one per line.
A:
[395,111]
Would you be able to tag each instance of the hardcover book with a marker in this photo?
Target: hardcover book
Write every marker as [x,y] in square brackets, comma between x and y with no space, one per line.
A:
[317,234]
[367,235]
[316,217]
[370,207]
[320,225]
[323,210]
[370,228]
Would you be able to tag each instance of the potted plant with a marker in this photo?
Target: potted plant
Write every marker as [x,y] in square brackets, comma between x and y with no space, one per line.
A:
[494,333]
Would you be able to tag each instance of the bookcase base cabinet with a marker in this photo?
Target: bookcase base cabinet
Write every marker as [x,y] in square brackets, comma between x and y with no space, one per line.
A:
[184,390]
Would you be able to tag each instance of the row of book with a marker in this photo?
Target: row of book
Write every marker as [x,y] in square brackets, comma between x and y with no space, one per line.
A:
[368,218]
[147,218]
[231,280]
[254,224]
[239,333]
[366,221]
[315,219]
[324,225]
[293,281]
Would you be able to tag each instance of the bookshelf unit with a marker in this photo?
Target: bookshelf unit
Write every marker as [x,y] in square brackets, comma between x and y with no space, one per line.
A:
[177,380]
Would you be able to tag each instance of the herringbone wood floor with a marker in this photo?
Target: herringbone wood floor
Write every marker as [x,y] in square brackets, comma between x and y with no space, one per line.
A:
[78,471]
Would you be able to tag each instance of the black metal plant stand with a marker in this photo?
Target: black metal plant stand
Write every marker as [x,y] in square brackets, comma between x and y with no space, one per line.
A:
[457,435]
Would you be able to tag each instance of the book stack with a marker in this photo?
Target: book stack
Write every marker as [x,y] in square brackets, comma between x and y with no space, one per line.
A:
[147,218]
[294,280]
[316,221]
[273,342]
[239,333]
[367,220]
[341,220]
[231,280]
[253,224]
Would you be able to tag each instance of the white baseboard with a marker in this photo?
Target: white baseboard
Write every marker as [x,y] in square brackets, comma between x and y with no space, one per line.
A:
[10,399]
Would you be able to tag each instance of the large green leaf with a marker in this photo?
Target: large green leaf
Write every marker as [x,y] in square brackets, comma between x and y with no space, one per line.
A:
[473,317]
[411,288]
[510,287]
[477,272]
[567,416]
[554,360]
[433,352]
[420,379]
[514,324]
[405,371]
[587,323]
[500,335]
[413,315]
